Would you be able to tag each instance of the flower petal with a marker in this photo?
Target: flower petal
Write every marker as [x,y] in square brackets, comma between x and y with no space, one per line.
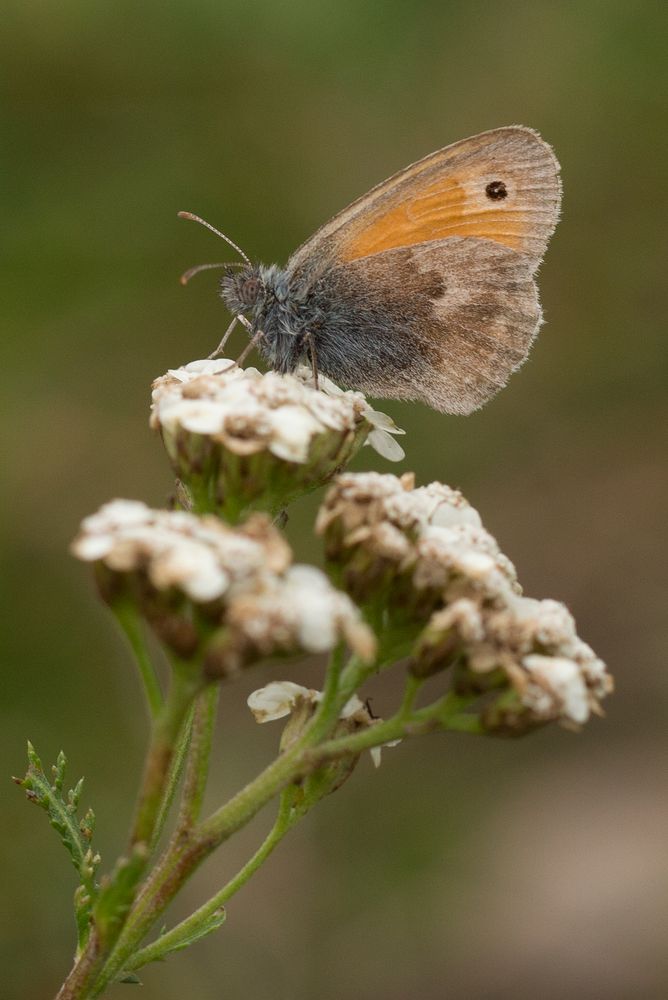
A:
[385,445]
[276,700]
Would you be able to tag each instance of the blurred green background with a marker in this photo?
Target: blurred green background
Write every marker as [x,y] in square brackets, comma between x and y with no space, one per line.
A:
[463,868]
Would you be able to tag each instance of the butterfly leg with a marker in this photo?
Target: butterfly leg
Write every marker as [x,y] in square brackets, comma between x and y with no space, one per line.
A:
[221,346]
[251,343]
[314,359]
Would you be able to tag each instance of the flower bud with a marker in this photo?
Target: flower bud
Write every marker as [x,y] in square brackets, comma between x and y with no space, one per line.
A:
[546,689]
[424,555]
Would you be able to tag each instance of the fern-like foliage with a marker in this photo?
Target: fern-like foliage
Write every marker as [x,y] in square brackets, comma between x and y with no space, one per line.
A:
[75,832]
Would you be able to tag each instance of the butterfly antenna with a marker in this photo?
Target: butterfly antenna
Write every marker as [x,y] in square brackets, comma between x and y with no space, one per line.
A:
[202,222]
[192,271]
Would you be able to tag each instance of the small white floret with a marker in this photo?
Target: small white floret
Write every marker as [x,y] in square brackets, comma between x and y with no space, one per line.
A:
[277,699]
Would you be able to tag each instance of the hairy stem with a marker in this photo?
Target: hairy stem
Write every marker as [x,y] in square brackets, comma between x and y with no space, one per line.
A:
[175,773]
[442,714]
[188,850]
[197,766]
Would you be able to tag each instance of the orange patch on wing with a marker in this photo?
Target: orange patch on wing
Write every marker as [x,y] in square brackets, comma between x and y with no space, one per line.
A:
[436,212]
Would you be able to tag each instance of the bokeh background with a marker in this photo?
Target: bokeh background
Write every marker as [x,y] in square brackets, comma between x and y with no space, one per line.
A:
[463,868]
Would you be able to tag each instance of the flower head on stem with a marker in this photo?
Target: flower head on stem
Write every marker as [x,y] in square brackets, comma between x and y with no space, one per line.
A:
[396,548]
[239,439]
[444,578]
[228,596]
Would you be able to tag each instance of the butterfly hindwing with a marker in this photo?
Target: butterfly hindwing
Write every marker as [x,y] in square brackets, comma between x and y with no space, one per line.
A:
[444,322]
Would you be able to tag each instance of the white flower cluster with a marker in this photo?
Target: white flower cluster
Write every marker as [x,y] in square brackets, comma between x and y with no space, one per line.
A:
[248,411]
[432,534]
[430,541]
[299,610]
[535,643]
[200,556]
[239,578]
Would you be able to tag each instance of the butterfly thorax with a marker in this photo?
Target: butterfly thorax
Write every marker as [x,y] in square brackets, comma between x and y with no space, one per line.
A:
[264,295]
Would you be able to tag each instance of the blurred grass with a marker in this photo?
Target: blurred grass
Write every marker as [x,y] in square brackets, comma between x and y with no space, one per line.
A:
[480,867]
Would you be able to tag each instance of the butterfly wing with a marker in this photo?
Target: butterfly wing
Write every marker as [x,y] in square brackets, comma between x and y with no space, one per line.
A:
[444,322]
[428,279]
[501,185]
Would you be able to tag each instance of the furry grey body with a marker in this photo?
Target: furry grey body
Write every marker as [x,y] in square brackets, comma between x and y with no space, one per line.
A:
[355,333]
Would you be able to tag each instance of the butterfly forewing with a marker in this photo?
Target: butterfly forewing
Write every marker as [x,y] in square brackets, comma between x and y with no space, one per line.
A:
[501,185]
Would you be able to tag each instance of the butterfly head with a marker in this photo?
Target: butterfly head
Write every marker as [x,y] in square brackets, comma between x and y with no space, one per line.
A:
[242,289]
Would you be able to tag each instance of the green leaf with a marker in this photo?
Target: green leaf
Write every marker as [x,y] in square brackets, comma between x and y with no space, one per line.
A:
[212,923]
[180,937]
[75,833]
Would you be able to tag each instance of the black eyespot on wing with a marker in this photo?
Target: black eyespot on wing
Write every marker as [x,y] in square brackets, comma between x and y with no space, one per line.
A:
[496,190]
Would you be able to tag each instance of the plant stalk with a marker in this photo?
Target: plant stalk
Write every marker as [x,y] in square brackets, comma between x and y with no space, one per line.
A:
[187,929]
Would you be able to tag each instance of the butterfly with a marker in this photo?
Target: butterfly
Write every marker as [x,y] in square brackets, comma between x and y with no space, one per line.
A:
[422,289]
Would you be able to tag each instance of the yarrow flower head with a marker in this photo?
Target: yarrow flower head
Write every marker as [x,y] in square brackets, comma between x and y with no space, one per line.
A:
[229,595]
[525,651]
[296,611]
[239,439]
[444,579]
[407,548]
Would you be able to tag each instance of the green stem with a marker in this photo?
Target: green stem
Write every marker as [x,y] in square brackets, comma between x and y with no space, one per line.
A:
[131,624]
[395,728]
[197,768]
[340,684]
[192,927]
[332,697]
[442,714]
[189,848]
[466,722]
[175,772]
[202,492]
[187,851]
[411,691]
[344,683]
[166,729]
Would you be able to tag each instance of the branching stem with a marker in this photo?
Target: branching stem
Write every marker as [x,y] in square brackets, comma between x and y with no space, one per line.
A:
[191,927]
